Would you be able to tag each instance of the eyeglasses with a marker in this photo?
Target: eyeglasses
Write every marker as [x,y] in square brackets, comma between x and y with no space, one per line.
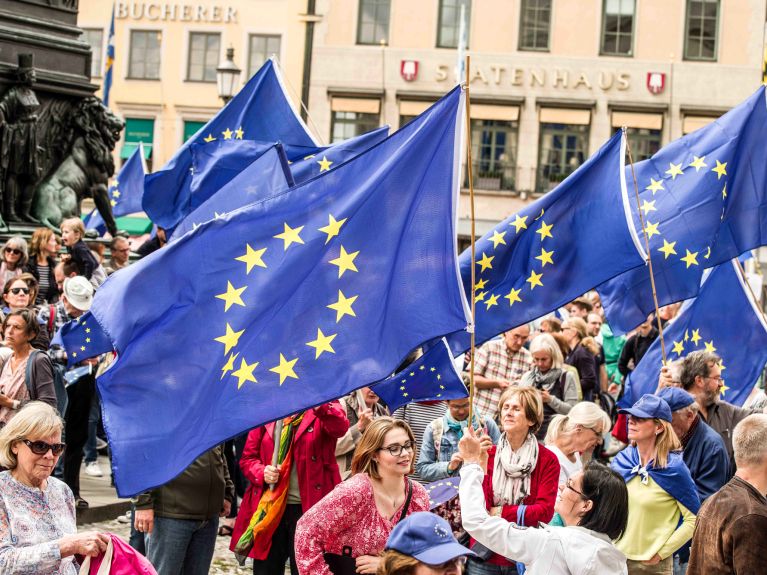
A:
[569,485]
[17,291]
[396,450]
[13,251]
[596,433]
[719,380]
[41,447]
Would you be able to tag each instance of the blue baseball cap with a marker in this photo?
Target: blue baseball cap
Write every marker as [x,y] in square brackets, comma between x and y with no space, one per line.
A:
[426,537]
[676,397]
[649,407]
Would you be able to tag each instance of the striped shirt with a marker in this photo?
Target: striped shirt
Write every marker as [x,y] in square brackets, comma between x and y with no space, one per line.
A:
[495,361]
[418,416]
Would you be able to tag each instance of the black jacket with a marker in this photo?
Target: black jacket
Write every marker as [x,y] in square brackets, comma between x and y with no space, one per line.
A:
[635,348]
[52,295]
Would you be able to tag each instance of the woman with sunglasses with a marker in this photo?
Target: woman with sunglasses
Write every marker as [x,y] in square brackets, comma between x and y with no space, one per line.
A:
[43,249]
[361,512]
[14,258]
[38,533]
[18,294]
[593,504]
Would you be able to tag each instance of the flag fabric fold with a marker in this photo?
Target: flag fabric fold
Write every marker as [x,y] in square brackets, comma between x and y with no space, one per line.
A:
[83,338]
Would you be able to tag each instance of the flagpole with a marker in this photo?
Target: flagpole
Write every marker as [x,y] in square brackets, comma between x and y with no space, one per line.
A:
[473,246]
[748,286]
[647,248]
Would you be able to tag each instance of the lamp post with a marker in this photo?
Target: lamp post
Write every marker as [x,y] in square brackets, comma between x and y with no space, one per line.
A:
[227,75]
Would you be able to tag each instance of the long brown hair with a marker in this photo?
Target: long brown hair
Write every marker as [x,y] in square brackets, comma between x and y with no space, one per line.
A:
[373,440]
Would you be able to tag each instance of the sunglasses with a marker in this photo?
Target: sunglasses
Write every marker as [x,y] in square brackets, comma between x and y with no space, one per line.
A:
[41,447]
[17,291]
[13,251]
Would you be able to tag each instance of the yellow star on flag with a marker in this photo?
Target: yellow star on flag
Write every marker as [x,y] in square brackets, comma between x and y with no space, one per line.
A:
[648,207]
[113,203]
[245,373]
[333,228]
[534,279]
[513,296]
[238,133]
[519,223]
[678,348]
[480,284]
[491,301]
[710,346]
[232,296]
[690,258]
[545,230]
[229,365]
[285,369]
[116,194]
[667,249]
[209,138]
[724,191]
[695,336]
[230,338]
[322,343]
[485,262]
[686,335]
[309,157]
[543,211]
[480,296]
[652,229]
[655,186]
[720,169]
[498,238]
[545,257]
[345,261]
[698,163]
[252,258]
[324,164]
[723,389]
[290,235]
[674,170]
[227,134]
[708,253]
[343,306]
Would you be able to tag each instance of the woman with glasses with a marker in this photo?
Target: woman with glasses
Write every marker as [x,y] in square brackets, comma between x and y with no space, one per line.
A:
[18,294]
[43,249]
[663,499]
[361,512]
[37,512]
[14,258]
[26,375]
[593,504]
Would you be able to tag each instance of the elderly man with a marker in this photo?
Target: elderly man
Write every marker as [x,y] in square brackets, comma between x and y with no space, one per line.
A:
[729,531]
[119,250]
[500,363]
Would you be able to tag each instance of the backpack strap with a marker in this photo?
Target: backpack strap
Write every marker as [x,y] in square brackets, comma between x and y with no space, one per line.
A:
[28,373]
[51,318]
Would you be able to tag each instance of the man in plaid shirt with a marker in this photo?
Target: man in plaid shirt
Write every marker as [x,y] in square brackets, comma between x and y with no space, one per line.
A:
[500,363]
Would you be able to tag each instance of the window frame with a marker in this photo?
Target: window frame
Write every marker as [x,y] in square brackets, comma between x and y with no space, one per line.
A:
[359,40]
[686,55]
[206,34]
[334,120]
[522,9]
[439,43]
[267,35]
[511,130]
[584,129]
[102,51]
[129,75]
[602,51]
[636,138]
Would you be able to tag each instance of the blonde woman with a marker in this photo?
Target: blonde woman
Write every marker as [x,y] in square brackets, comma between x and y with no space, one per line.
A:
[43,249]
[575,330]
[661,489]
[361,512]
[578,432]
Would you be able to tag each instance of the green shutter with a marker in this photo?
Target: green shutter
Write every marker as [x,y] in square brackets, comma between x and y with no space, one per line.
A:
[138,130]
[191,128]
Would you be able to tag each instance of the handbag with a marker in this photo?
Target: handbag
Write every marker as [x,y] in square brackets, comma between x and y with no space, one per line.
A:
[345,564]
[119,559]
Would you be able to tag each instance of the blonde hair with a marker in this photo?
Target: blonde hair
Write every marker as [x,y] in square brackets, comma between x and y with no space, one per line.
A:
[530,400]
[35,419]
[749,440]
[39,240]
[545,342]
[373,440]
[586,414]
[396,563]
[74,224]
[665,442]
[591,345]
[578,325]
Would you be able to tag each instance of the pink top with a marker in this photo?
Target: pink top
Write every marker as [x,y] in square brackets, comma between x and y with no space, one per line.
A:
[13,384]
[347,516]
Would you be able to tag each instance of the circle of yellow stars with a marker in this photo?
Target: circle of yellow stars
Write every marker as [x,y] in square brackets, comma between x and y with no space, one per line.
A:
[691,341]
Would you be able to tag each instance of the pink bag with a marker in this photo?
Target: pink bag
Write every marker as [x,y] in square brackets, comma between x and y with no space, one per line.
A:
[119,559]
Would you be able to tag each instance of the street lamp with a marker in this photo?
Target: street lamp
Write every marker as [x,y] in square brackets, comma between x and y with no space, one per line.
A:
[227,75]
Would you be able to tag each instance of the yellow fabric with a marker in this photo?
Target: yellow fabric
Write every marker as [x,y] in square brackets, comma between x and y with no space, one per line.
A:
[653,519]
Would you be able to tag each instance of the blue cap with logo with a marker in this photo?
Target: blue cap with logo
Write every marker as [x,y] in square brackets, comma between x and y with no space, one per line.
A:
[649,407]
[676,397]
[426,537]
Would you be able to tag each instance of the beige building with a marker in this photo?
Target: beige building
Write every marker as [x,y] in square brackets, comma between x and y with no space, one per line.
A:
[166,54]
[551,80]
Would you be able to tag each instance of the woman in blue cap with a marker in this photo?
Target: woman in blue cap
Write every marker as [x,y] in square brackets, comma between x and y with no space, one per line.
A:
[661,489]
[423,544]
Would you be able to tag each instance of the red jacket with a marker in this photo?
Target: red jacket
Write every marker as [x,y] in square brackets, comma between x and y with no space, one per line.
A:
[544,484]
[314,454]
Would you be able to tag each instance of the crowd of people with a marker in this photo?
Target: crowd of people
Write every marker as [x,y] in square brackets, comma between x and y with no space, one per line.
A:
[548,476]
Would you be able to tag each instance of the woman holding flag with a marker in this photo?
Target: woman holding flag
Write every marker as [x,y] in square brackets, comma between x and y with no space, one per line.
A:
[661,489]
[278,495]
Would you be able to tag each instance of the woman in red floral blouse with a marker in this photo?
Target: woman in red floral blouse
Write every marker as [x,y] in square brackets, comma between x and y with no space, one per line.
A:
[361,512]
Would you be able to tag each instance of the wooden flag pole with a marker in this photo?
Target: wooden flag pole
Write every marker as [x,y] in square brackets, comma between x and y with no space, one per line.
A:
[473,246]
[276,453]
[647,247]
[748,286]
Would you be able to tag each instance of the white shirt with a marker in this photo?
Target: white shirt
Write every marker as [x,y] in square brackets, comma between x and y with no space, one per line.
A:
[567,468]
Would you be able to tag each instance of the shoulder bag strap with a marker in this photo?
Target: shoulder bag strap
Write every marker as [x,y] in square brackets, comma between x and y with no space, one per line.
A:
[28,374]
[407,500]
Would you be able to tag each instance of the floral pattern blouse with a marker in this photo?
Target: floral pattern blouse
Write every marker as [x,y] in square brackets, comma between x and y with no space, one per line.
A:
[31,523]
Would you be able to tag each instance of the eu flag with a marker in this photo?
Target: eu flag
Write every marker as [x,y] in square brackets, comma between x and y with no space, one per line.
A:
[718,321]
[260,111]
[704,200]
[267,175]
[284,304]
[83,338]
[126,191]
[432,377]
[552,250]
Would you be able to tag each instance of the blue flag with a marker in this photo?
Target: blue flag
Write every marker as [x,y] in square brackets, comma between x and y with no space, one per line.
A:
[553,250]
[125,192]
[715,321]
[110,60]
[83,338]
[704,200]
[432,377]
[442,490]
[284,304]
[260,111]
[262,178]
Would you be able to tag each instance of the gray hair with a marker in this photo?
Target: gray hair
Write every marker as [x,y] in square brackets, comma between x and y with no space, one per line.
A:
[545,342]
[35,419]
[585,413]
[749,440]
[20,244]
[697,363]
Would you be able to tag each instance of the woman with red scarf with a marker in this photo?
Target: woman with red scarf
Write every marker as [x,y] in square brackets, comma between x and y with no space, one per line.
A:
[266,524]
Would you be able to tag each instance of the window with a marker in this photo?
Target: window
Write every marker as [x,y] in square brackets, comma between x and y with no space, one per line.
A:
[144,63]
[260,49]
[347,125]
[204,50]
[191,127]
[449,31]
[494,154]
[618,27]
[95,38]
[563,148]
[700,34]
[644,143]
[137,131]
[534,24]
[373,23]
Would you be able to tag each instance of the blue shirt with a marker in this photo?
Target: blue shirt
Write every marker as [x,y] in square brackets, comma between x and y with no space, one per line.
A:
[706,458]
